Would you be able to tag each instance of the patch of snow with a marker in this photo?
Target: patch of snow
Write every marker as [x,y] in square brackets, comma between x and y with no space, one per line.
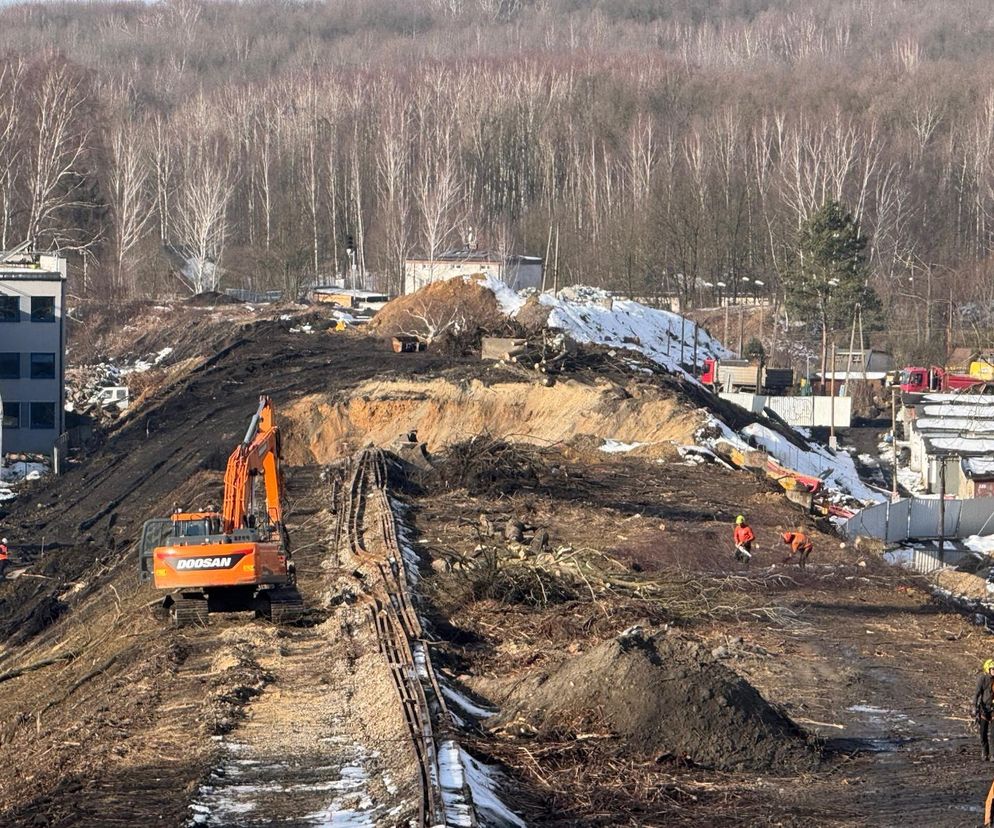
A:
[837,470]
[23,470]
[900,556]
[465,704]
[484,782]
[617,447]
[509,301]
[982,544]
[594,316]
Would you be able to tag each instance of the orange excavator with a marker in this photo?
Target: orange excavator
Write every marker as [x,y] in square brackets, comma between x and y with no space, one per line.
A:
[234,560]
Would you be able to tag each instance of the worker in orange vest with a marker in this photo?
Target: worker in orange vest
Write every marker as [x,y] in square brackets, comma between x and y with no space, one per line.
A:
[4,559]
[743,536]
[799,545]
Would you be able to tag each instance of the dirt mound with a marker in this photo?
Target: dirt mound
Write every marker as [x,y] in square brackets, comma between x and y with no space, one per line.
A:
[211,298]
[664,697]
[533,316]
[453,308]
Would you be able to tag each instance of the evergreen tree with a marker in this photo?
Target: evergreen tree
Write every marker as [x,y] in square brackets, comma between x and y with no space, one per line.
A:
[830,278]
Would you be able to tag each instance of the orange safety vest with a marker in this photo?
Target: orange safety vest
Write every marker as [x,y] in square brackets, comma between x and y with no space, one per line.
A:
[743,534]
[3,552]
[988,805]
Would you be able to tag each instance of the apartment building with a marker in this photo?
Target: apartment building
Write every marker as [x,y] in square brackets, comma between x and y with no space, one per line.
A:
[32,351]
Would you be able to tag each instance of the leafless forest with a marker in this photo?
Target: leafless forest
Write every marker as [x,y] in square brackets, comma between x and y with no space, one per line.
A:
[643,145]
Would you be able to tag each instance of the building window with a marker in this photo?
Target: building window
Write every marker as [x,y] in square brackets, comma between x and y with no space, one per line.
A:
[11,415]
[43,415]
[42,308]
[10,309]
[42,366]
[10,366]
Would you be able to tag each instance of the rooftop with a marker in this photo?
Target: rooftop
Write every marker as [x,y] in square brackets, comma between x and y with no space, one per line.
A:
[465,254]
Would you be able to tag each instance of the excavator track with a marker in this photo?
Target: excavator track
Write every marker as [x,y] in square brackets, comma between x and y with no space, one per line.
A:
[188,612]
[282,605]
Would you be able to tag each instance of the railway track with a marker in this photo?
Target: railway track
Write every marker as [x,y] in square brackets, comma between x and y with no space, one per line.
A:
[371,535]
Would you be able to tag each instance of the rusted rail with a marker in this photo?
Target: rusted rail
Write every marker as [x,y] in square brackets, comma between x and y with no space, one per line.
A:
[367,509]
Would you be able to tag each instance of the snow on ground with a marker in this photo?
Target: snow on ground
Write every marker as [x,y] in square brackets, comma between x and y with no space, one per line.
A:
[617,447]
[592,315]
[241,789]
[910,480]
[17,472]
[140,366]
[900,556]
[984,544]
[463,702]
[838,471]
[458,771]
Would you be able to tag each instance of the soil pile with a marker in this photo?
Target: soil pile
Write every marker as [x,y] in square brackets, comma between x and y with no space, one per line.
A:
[664,697]
[453,308]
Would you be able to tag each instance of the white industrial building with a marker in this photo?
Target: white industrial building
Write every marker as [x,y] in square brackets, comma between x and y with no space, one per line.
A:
[517,272]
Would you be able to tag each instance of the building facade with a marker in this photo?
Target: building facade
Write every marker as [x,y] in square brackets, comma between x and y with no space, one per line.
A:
[517,272]
[32,352]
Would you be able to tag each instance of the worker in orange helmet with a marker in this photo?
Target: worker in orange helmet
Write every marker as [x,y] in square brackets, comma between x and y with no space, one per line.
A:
[799,545]
[743,536]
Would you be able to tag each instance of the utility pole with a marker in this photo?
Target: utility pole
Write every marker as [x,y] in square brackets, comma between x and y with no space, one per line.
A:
[724,340]
[832,444]
[949,325]
[741,331]
[893,440]
[942,509]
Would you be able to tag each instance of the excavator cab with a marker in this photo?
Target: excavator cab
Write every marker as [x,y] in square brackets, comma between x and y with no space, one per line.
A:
[155,533]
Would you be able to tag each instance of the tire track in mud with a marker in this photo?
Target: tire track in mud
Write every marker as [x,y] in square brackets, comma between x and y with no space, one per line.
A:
[325,743]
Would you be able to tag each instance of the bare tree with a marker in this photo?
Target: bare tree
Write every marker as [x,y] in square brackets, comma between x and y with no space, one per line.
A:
[441,200]
[129,198]
[201,217]
[61,136]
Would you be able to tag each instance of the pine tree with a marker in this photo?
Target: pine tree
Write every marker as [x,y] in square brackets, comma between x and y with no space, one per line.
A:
[831,275]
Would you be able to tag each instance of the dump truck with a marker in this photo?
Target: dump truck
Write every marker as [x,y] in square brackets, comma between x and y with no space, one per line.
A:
[234,560]
[745,375]
[919,380]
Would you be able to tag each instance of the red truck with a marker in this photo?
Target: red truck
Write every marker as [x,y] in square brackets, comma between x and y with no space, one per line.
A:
[917,380]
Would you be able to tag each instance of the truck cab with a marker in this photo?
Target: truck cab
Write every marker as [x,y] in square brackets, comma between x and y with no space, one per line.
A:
[917,380]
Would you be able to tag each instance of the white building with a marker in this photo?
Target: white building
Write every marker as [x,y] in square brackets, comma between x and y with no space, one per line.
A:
[517,272]
[32,350]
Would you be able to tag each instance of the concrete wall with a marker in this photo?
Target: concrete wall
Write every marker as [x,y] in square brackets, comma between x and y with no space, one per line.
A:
[25,337]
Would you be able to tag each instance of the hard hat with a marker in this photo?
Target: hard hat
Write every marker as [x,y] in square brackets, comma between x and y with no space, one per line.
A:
[3,540]
[787,537]
[740,520]
[988,665]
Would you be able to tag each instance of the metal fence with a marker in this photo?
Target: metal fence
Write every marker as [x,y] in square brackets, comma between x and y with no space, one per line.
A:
[918,518]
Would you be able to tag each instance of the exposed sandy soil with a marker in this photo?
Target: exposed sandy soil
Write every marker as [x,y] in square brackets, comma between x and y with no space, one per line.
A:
[443,412]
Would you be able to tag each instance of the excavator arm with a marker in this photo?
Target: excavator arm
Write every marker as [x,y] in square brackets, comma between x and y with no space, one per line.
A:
[258,454]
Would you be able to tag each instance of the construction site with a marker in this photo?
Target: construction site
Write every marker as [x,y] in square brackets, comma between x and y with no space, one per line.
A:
[410,586]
